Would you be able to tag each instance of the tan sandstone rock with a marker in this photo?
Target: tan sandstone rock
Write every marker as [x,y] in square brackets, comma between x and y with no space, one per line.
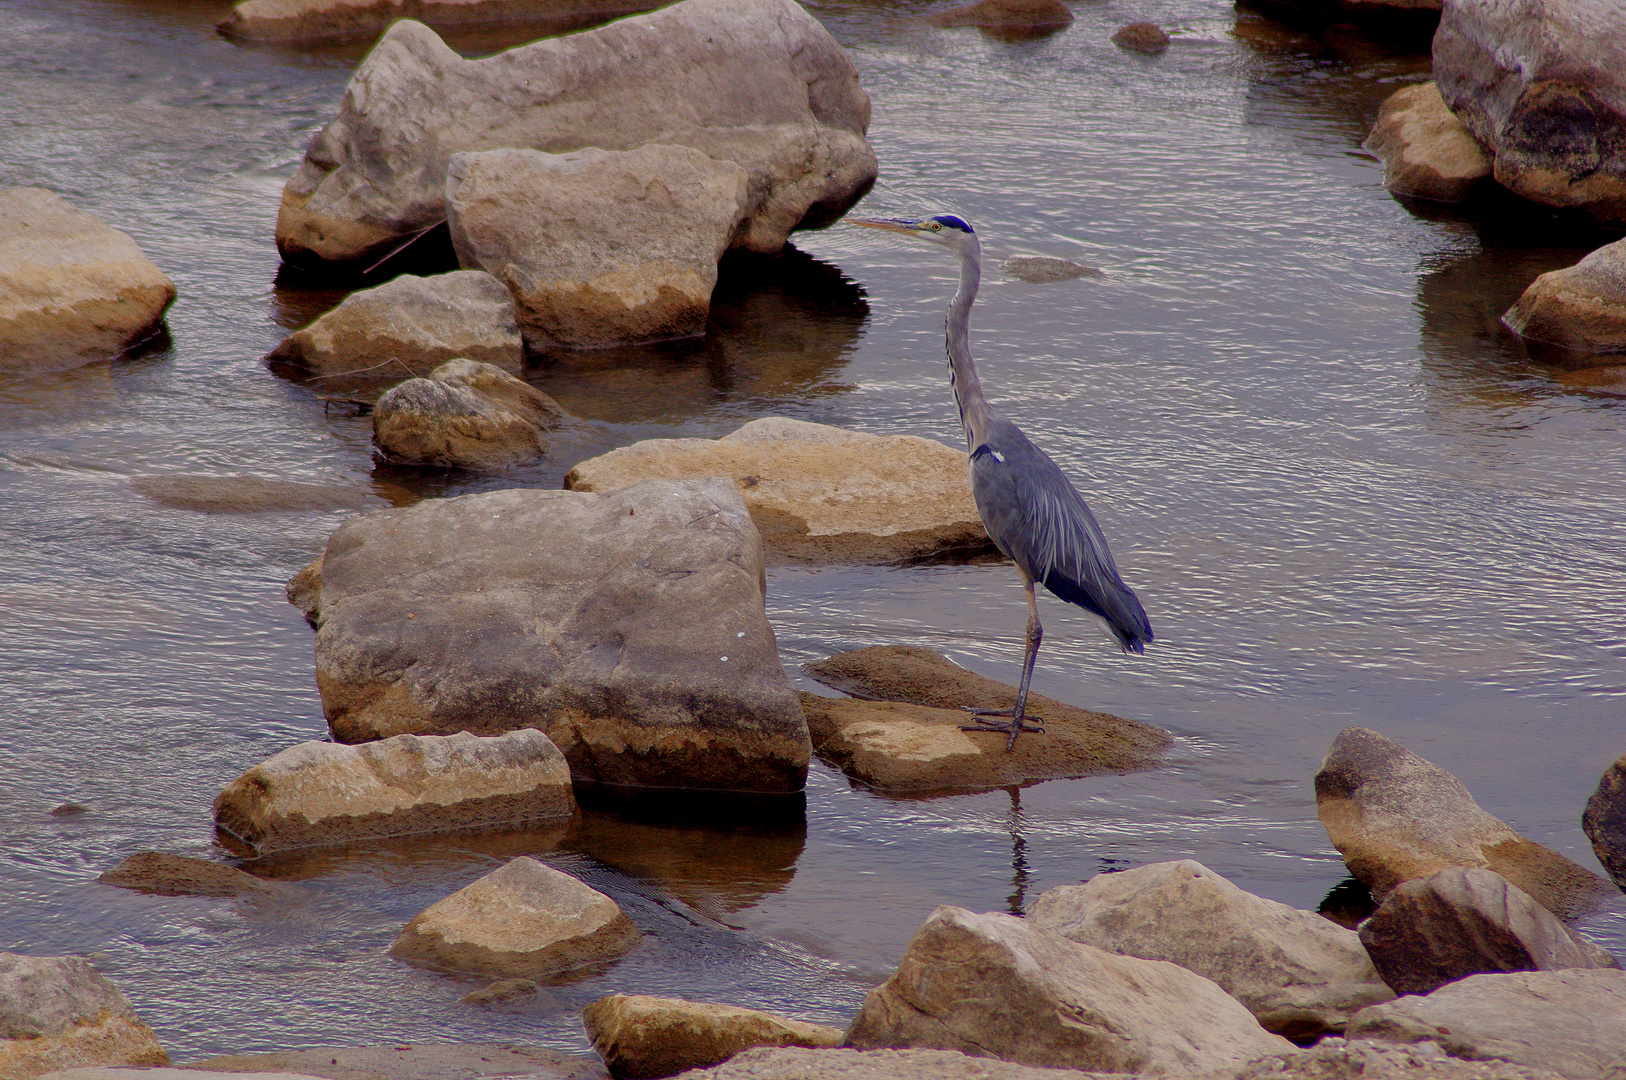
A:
[1426,151]
[525,919]
[1300,974]
[998,986]
[320,22]
[1396,817]
[1581,308]
[73,289]
[408,326]
[644,1037]
[796,1063]
[327,793]
[1366,1059]
[598,247]
[56,1012]
[466,415]
[819,493]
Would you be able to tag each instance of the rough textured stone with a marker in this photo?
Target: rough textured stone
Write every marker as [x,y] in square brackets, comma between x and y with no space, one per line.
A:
[629,627]
[409,326]
[1464,921]
[644,1037]
[73,289]
[432,1061]
[1300,974]
[917,676]
[1540,83]
[998,986]
[1044,15]
[756,82]
[465,415]
[1425,150]
[791,1063]
[1567,1021]
[1581,308]
[896,747]
[818,493]
[1364,1059]
[187,1072]
[1141,37]
[598,247]
[320,22]
[56,1012]
[248,494]
[525,919]
[324,793]
[1396,817]
[180,875]
[1605,821]
[1045,269]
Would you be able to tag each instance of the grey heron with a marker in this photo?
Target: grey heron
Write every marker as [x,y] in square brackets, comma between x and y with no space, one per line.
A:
[1031,511]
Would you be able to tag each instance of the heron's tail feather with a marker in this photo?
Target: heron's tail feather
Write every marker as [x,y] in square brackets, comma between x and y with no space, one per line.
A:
[1119,608]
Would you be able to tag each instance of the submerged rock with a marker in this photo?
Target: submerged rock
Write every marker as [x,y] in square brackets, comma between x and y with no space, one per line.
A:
[998,986]
[56,1012]
[629,627]
[794,1063]
[324,793]
[409,326]
[756,82]
[645,1037]
[1300,974]
[525,919]
[1396,817]
[818,493]
[1581,308]
[500,991]
[248,494]
[1141,37]
[1605,821]
[1540,83]
[598,247]
[1007,15]
[180,875]
[323,22]
[1426,151]
[1045,269]
[465,415]
[73,289]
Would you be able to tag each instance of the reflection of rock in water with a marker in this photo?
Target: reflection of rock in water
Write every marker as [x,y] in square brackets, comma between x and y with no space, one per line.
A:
[780,326]
[424,855]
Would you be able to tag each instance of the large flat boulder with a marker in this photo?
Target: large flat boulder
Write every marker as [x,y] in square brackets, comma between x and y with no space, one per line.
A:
[1366,1059]
[820,494]
[524,919]
[408,326]
[598,247]
[464,415]
[1426,151]
[1395,817]
[1467,921]
[73,289]
[1605,821]
[1581,308]
[1569,1022]
[1540,83]
[998,986]
[629,627]
[326,22]
[793,1063]
[57,1012]
[1302,975]
[321,793]
[643,1037]
[756,82]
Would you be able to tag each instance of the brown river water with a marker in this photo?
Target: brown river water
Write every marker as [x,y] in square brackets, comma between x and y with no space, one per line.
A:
[1343,494]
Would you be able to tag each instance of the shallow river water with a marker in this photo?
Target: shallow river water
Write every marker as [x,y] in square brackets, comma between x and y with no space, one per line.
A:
[1344,496]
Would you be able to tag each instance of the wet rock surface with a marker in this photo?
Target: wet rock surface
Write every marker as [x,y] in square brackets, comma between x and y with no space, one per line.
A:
[1465,921]
[1141,37]
[57,1012]
[1566,1021]
[524,919]
[181,875]
[1581,308]
[432,1061]
[1365,1059]
[408,326]
[801,1064]
[1301,975]
[320,793]
[818,493]
[314,22]
[997,985]
[918,676]
[1426,151]
[760,83]
[1539,82]
[644,1037]
[629,627]
[1605,821]
[73,289]
[1395,817]
[464,414]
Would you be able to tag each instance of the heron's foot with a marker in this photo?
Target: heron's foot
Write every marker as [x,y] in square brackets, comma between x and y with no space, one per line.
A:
[1013,728]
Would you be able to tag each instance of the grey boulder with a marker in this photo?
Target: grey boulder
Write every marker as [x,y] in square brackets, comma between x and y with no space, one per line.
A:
[464,414]
[1299,973]
[1581,308]
[1605,821]
[56,1012]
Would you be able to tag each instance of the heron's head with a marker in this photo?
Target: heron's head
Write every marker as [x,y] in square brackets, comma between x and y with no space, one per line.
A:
[945,229]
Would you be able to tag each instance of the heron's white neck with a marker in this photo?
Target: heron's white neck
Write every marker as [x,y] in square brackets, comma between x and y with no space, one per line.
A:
[975,413]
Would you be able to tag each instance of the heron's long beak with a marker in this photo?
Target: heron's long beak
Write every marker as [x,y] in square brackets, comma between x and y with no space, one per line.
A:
[903,225]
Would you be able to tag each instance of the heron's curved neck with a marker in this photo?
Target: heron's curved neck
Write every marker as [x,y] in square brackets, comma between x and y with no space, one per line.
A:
[974,410]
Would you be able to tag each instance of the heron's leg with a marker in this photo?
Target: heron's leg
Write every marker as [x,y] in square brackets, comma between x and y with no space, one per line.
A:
[1018,712]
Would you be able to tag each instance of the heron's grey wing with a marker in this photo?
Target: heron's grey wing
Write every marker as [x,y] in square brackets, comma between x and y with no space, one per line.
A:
[1039,519]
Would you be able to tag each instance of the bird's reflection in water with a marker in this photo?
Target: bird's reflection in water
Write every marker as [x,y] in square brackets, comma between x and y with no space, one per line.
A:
[1020,873]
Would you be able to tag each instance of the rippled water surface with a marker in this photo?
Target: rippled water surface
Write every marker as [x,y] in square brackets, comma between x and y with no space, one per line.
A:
[1344,495]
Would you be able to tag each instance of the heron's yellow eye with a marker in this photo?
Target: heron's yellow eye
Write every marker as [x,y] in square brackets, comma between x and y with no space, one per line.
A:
[937,226]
